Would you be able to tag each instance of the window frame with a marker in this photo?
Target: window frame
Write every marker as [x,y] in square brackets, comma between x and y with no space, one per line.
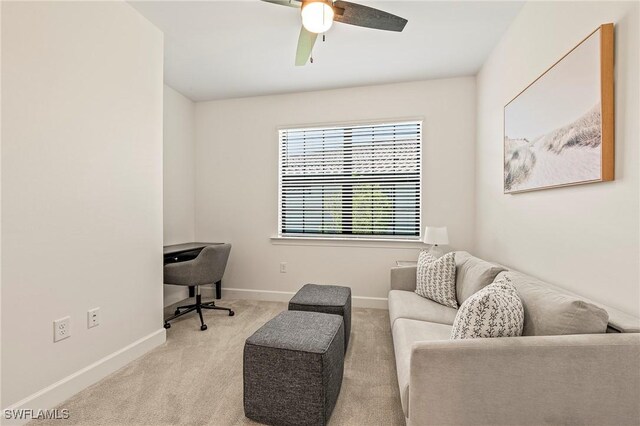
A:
[328,239]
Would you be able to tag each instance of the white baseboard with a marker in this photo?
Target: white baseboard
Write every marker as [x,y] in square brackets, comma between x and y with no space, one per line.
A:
[284,296]
[370,302]
[53,395]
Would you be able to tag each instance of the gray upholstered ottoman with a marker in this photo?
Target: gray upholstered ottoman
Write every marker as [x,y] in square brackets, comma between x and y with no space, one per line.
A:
[329,299]
[293,369]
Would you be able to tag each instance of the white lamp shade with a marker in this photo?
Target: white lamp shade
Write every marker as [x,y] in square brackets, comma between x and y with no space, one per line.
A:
[435,235]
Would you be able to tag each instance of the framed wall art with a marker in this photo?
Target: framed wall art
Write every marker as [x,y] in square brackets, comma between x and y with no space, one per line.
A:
[559,130]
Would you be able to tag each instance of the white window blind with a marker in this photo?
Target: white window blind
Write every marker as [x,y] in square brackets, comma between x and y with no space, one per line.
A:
[359,181]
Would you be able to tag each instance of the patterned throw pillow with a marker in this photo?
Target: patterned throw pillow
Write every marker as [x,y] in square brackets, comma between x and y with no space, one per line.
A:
[436,278]
[494,311]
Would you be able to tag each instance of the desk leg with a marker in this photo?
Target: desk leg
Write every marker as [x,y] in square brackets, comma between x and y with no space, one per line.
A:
[192,291]
[218,289]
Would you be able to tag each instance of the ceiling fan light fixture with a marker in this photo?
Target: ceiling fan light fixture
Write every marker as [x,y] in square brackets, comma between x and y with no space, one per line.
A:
[317,15]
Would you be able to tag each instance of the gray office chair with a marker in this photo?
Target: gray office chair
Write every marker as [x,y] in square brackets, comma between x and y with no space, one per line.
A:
[207,268]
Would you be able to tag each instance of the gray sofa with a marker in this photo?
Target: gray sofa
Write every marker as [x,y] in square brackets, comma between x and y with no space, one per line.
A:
[578,362]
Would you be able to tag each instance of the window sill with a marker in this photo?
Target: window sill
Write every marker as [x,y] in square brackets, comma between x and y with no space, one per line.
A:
[348,242]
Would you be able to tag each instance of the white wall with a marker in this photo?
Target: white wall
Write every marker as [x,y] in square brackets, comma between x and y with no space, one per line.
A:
[584,238]
[1,405]
[237,182]
[179,190]
[82,193]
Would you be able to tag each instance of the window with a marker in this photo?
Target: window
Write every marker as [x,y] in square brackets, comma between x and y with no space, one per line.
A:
[361,181]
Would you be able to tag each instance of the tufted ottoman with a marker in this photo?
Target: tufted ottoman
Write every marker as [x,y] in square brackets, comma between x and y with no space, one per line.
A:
[329,299]
[293,368]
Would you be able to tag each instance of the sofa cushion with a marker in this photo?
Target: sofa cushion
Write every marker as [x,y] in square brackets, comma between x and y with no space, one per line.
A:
[549,312]
[407,304]
[405,333]
[494,311]
[472,275]
[436,278]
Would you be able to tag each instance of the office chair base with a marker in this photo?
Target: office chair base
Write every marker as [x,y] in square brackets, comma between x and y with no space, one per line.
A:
[198,306]
[212,305]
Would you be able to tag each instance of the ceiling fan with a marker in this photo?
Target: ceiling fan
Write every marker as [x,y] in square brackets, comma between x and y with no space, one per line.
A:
[318,16]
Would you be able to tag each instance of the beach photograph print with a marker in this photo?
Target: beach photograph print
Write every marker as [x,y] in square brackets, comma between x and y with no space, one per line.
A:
[553,129]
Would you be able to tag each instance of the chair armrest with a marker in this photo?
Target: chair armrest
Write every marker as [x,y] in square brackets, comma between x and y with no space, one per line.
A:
[403,278]
[572,379]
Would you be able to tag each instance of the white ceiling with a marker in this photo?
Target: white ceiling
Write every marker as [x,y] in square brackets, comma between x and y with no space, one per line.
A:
[229,49]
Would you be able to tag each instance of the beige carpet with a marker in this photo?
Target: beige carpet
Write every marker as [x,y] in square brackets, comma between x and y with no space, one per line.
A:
[195,378]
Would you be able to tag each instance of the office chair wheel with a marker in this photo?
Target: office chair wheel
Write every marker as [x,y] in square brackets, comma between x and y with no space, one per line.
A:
[167,325]
[177,312]
[203,327]
[231,313]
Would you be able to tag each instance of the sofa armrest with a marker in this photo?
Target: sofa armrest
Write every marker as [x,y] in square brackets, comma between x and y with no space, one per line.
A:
[571,379]
[403,278]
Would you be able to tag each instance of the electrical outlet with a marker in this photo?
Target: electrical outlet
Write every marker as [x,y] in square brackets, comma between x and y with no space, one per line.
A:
[61,329]
[93,317]
[283,267]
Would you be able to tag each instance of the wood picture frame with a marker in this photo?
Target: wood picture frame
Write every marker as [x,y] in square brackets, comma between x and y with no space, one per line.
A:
[559,130]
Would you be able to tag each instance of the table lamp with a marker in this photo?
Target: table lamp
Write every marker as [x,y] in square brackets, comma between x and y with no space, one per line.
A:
[435,235]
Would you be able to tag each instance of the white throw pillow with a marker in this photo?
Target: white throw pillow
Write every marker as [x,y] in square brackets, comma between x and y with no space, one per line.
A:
[436,278]
[494,311]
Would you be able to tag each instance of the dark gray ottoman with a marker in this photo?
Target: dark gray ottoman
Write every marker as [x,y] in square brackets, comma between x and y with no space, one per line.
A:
[329,299]
[293,369]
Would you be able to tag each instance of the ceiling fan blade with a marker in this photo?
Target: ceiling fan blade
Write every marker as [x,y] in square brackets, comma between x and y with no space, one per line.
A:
[306,40]
[364,16]
[291,3]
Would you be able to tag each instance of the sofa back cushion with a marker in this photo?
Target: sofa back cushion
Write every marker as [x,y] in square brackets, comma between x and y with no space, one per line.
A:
[472,275]
[549,312]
